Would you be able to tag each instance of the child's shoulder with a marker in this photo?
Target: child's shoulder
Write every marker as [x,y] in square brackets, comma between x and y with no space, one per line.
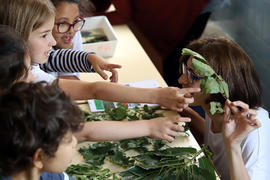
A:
[55,176]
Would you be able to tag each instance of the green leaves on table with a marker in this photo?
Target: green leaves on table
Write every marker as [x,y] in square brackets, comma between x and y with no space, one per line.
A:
[122,112]
[95,154]
[212,83]
[171,163]
[89,172]
[155,161]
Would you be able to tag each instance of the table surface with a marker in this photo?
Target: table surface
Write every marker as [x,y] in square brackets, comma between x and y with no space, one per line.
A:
[136,66]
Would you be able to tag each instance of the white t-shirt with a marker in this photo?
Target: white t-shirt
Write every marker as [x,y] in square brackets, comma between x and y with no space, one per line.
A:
[40,75]
[255,149]
[77,45]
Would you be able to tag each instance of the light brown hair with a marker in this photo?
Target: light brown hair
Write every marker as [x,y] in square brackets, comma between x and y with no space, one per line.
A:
[25,16]
[230,61]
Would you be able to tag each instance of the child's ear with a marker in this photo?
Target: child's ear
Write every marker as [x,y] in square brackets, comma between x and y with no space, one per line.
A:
[37,158]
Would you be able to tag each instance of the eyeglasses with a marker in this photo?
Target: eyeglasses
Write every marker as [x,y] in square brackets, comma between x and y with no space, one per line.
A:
[63,27]
[191,76]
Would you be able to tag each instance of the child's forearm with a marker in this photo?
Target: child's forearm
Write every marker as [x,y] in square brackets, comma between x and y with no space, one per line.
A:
[80,90]
[112,130]
[165,128]
[170,97]
[236,164]
[122,93]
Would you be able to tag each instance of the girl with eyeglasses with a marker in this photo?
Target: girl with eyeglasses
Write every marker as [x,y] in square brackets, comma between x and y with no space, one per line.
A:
[240,146]
[68,24]
[68,63]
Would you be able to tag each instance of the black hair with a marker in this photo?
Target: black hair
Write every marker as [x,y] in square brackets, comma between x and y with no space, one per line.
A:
[33,116]
[13,51]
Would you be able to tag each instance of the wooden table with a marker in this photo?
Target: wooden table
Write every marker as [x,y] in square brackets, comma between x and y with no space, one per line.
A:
[136,66]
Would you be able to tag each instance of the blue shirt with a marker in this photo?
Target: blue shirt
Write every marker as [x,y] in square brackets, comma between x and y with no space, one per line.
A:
[46,176]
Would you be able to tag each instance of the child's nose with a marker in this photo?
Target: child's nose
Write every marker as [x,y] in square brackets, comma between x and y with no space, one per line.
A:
[183,79]
[52,42]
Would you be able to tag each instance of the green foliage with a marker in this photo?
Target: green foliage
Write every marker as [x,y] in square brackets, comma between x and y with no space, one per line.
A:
[154,161]
[189,52]
[212,83]
[95,154]
[89,172]
[216,107]
[122,112]
[209,85]
[171,163]
[118,113]
[202,68]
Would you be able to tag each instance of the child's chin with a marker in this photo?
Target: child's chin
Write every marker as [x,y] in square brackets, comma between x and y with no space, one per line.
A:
[42,61]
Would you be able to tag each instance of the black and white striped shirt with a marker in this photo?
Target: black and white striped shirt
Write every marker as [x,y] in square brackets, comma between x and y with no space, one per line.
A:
[67,60]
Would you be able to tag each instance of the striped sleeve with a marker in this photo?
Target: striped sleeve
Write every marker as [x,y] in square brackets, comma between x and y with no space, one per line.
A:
[67,60]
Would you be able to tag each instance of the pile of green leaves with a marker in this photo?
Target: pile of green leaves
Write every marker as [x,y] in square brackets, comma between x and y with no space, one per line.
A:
[171,163]
[155,160]
[87,171]
[212,83]
[115,151]
[123,112]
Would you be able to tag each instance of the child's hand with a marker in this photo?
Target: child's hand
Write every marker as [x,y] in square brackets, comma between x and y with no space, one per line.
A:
[176,99]
[166,128]
[238,124]
[99,65]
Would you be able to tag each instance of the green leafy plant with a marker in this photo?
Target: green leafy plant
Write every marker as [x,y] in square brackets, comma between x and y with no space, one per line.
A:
[171,163]
[212,83]
[155,159]
[122,112]
[89,172]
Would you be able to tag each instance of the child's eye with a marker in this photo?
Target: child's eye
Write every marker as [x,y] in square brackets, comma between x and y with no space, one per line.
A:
[44,35]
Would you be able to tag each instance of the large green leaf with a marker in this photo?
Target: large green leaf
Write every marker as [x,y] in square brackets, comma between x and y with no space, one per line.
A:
[201,68]
[147,161]
[209,85]
[216,107]
[121,159]
[176,151]
[224,89]
[204,163]
[189,52]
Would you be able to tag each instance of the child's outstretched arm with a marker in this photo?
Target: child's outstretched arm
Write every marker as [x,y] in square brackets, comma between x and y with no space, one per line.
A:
[170,97]
[165,128]
[236,126]
[68,60]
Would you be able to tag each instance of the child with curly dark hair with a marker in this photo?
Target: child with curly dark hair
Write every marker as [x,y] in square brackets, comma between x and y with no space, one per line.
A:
[36,132]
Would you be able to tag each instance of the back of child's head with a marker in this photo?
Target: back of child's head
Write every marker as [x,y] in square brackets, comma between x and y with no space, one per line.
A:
[230,61]
[33,116]
[25,16]
[13,51]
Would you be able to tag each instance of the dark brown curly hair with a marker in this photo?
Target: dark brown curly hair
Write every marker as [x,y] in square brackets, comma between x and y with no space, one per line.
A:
[33,116]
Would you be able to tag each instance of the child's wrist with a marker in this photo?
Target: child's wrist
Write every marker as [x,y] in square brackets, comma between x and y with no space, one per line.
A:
[148,127]
[156,96]
[232,146]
